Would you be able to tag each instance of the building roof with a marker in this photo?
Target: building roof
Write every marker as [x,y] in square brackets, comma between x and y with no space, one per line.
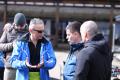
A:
[71,1]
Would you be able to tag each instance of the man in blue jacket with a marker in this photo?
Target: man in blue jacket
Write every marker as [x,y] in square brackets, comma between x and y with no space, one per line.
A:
[95,58]
[34,55]
[74,39]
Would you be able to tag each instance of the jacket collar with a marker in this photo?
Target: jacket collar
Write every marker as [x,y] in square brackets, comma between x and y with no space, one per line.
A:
[74,47]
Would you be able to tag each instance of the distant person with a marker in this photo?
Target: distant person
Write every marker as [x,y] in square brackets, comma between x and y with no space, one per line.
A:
[94,60]
[8,39]
[35,55]
[74,39]
[5,28]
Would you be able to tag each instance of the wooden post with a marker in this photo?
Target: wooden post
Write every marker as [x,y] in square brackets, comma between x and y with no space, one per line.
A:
[56,23]
[111,25]
[5,12]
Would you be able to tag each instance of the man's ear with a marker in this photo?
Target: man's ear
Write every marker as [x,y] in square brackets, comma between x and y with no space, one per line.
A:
[76,33]
[30,30]
[86,36]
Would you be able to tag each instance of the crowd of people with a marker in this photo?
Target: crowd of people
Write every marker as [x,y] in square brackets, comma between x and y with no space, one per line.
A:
[24,50]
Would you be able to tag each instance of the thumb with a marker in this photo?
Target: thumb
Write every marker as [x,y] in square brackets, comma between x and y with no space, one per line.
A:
[26,59]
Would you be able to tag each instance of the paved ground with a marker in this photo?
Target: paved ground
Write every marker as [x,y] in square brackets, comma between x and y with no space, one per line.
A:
[116,60]
[116,64]
[57,71]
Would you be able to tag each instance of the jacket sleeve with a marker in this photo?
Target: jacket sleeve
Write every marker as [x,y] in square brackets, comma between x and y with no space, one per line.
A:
[4,45]
[82,66]
[15,59]
[49,56]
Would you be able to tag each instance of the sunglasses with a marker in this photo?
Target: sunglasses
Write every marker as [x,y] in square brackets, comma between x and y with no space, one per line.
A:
[39,31]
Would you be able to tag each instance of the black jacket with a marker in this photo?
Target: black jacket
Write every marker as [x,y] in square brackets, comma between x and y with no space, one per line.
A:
[94,60]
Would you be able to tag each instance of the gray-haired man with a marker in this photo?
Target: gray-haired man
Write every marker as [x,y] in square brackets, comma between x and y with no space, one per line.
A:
[35,55]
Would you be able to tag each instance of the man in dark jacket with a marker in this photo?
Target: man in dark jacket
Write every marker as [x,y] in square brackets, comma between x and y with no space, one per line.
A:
[7,41]
[94,60]
[74,39]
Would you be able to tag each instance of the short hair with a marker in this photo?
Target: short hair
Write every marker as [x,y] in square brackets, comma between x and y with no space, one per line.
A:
[35,21]
[74,26]
[90,27]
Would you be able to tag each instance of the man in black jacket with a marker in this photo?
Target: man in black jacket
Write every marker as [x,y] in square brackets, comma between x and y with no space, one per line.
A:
[94,60]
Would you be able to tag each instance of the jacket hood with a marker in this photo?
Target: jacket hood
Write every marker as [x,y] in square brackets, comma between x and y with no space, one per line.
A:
[99,43]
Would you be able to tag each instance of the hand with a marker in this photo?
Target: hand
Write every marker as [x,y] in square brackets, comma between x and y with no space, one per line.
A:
[14,43]
[28,64]
[40,64]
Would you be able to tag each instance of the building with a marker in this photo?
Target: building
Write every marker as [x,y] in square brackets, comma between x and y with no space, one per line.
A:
[57,14]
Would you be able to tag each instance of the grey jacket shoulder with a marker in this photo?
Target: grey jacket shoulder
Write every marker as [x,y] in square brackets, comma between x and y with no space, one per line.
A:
[6,40]
[5,46]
